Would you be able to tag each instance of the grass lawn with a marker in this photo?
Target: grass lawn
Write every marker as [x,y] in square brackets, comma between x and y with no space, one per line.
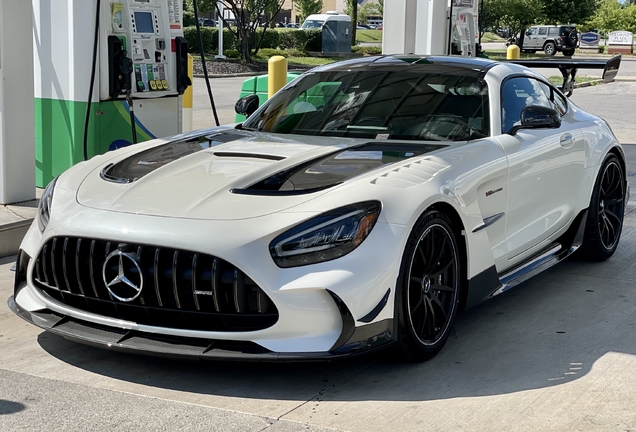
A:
[558,80]
[369,36]
[491,37]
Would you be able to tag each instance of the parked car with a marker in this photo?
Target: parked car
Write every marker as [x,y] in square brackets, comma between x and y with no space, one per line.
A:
[205,22]
[551,39]
[292,25]
[363,206]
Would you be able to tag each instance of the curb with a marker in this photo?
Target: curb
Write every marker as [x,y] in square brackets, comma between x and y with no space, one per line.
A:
[11,236]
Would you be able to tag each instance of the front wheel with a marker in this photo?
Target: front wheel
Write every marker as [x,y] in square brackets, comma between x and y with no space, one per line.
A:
[428,288]
[605,216]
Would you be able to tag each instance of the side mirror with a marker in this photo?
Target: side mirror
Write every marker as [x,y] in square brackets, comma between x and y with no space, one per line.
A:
[538,117]
[247,105]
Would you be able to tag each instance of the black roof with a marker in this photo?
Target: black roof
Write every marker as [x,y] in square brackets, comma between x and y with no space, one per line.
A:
[418,63]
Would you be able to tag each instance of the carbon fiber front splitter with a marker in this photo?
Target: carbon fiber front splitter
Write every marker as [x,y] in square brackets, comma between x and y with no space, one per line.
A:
[365,339]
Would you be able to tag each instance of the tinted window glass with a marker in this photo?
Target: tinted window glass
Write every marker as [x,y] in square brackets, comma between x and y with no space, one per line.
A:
[553,31]
[518,93]
[558,101]
[543,31]
[379,104]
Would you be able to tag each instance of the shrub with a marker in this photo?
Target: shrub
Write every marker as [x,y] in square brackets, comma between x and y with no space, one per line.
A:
[271,52]
[210,38]
[293,39]
[367,50]
[270,40]
[314,40]
[188,19]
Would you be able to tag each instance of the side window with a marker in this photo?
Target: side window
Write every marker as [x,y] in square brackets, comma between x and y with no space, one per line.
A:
[518,93]
[543,31]
[531,32]
[554,31]
[558,102]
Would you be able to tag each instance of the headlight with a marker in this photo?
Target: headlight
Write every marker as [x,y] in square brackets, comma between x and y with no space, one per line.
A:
[325,237]
[44,210]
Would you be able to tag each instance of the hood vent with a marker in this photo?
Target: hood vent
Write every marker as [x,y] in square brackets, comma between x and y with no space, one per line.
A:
[336,168]
[249,155]
[143,163]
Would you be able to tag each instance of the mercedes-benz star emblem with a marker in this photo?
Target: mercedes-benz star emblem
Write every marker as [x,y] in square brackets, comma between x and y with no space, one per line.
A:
[122,276]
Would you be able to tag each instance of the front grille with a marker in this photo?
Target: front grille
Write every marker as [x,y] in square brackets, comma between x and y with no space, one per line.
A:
[181,289]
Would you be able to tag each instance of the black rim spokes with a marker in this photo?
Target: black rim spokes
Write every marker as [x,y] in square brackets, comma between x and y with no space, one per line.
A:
[611,205]
[433,282]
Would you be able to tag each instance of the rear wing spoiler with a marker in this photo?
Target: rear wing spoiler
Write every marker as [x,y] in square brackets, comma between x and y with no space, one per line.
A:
[570,67]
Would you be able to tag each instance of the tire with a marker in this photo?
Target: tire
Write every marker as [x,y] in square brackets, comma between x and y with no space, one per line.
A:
[549,48]
[428,288]
[568,52]
[605,216]
[573,38]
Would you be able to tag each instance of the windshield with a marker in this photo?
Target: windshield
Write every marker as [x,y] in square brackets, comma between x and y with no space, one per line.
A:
[403,105]
[311,24]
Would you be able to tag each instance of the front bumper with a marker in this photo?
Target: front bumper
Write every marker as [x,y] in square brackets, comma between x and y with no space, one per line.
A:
[361,340]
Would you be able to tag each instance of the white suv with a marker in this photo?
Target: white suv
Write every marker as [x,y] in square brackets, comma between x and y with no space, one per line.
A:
[551,39]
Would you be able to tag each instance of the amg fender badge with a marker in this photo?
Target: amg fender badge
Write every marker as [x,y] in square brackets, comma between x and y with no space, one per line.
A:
[492,192]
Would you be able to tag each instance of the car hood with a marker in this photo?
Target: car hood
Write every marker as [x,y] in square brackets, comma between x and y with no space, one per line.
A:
[234,174]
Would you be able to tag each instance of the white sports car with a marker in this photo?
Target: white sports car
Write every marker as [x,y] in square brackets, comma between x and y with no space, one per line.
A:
[364,205]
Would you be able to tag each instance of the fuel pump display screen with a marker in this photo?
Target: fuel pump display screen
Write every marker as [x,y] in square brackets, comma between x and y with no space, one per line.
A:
[143,20]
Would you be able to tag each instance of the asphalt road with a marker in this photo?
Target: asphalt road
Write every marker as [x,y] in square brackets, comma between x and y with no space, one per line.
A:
[557,353]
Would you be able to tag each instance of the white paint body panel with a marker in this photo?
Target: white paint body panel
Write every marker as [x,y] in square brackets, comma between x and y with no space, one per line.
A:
[188,204]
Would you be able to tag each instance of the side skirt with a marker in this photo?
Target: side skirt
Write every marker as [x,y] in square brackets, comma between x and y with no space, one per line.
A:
[488,283]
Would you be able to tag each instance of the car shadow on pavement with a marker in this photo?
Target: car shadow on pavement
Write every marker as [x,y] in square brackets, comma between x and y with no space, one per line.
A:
[548,331]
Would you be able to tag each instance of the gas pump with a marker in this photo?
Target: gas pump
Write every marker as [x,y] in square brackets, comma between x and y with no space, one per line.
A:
[464,28]
[133,68]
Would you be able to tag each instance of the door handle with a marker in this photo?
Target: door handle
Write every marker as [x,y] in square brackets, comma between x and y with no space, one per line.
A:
[567,140]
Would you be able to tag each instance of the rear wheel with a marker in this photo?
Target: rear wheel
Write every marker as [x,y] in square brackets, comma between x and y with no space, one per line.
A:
[428,288]
[568,52]
[549,48]
[605,215]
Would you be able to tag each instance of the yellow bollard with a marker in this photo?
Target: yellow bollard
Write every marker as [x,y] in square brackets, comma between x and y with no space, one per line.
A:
[186,102]
[277,74]
[513,52]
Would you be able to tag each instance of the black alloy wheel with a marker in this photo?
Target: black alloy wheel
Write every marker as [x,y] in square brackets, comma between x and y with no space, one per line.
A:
[428,288]
[605,216]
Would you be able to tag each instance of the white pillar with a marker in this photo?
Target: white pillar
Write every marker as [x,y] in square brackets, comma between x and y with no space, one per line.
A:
[416,27]
[220,55]
[17,129]
[399,24]
[431,33]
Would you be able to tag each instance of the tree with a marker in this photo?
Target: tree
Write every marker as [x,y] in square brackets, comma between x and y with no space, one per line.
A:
[307,7]
[610,16]
[568,11]
[204,6]
[380,8]
[351,9]
[367,10]
[516,15]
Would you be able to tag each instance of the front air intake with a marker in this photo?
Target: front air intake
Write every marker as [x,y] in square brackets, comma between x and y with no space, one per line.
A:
[180,289]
